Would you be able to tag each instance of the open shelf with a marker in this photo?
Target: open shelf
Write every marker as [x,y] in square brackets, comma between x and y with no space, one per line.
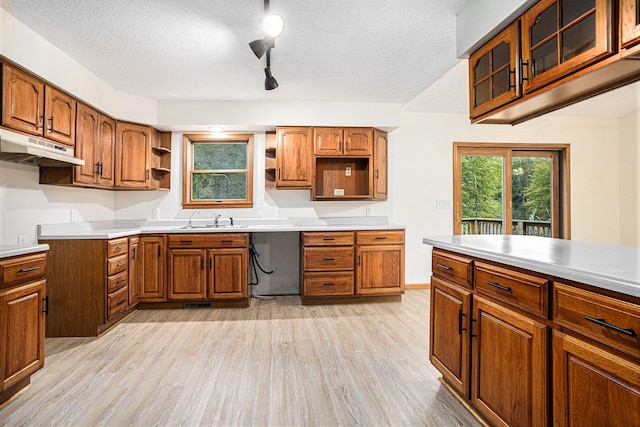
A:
[161,150]
[270,160]
[161,160]
[342,179]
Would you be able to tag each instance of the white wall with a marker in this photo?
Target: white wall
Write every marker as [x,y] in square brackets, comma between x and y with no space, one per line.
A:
[629,170]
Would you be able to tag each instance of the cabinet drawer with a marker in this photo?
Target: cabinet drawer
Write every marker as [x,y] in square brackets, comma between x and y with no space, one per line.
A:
[209,240]
[117,281]
[605,319]
[382,237]
[453,268]
[328,284]
[117,247]
[335,238]
[117,302]
[520,290]
[117,264]
[22,269]
[319,259]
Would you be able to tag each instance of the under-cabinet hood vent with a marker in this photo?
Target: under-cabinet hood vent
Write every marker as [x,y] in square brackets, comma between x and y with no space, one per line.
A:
[18,148]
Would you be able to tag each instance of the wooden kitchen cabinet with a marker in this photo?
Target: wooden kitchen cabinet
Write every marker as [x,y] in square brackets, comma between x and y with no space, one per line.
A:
[562,36]
[31,106]
[629,23]
[22,321]
[186,274]
[380,262]
[380,165]
[228,275]
[160,160]
[294,157]
[331,141]
[494,72]
[151,265]
[133,152]
[327,264]
[134,271]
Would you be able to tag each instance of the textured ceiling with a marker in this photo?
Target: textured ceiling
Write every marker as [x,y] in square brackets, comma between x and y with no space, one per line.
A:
[331,50]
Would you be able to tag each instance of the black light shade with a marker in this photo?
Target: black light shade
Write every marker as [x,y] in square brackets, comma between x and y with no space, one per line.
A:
[270,82]
[260,47]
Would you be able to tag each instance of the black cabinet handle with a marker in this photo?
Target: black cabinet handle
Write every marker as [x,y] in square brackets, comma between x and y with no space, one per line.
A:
[120,265]
[444,267]
[226,241]
[121,302]
[329,259]
[185,241]
[602,322]
[120,247]
[329,238]
[119,282]
[46,305]
[472,334]
[381,238]
[358,260]
[133,253]
[499,286]
[201,263]
[26,270]
[51,121]
[158,251]
[328,284]
[41,125]
[460,316]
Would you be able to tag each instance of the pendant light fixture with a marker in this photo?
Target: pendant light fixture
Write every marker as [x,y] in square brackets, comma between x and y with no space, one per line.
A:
[272,25]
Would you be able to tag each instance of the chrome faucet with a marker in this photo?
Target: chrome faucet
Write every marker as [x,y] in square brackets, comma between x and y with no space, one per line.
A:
[195,213]
[217,217]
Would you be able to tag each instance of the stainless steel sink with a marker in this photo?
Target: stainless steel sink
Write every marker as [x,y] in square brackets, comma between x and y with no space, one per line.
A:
[208,226]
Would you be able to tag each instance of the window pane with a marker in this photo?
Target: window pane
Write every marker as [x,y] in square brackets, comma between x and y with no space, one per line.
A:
[216,156]
[579,38]
[217,186]
[500,55]
[483,93]
[546,24]
[531,196]
[574,9]
[544,57]
[481,70]
[482,195]
[501,82]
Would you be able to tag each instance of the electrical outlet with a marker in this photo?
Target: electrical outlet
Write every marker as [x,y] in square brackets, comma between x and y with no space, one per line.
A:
[259,202]
[369,210]
[155,213]
[278,212]
[443,204]
[348,171]
[22,239]
[75,215]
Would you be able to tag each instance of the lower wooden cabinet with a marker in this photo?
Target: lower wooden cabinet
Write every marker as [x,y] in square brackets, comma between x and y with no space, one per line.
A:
[379,262]
[134,271]
[228,275]
[151,265]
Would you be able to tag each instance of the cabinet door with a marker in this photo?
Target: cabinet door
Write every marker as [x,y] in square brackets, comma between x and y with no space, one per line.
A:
[87,144]
[105,150]
[563,36]
[358,141]
[509,366]
[380,270]
[22,101]
[629,22]
[132,155]
[60,110]
[228,273]
[593,387]
[380,186]
[134,274]
[151,267]
[186,274]
[294,157]
[21,332]
[327,141]
[494,72]
[449,342]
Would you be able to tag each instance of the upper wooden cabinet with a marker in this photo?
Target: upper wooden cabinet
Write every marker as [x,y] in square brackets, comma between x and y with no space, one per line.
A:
[380,165]
[30,106]
[294,157]
[342,141]
[494,72]
[95,137]
[629,23]
[562,36]
[133,150]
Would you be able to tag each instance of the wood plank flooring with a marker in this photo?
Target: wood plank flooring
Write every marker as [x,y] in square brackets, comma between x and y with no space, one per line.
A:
[276,363]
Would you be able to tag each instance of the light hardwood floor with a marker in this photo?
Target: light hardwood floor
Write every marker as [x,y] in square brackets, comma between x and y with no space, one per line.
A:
[276,363]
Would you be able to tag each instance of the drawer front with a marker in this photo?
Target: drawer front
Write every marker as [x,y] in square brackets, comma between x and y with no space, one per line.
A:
[605,319]
[117,281]
[328,284]
[335,238]
[209,240]
[22,269]
[117,302]
[117,247]
[117,264]
[381,237]
[524,291]
[326,259]
[452,268]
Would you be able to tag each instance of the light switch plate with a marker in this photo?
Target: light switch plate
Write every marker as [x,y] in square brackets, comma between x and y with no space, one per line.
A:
[443,204]
[348,171]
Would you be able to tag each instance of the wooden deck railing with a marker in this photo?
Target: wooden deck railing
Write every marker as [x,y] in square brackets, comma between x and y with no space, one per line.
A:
[494,226]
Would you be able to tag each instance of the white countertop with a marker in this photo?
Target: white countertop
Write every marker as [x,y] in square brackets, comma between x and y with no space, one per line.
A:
[115,229]
[7,251]
[616,268]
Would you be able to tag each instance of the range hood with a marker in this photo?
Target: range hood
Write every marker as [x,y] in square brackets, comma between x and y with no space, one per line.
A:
[28,150]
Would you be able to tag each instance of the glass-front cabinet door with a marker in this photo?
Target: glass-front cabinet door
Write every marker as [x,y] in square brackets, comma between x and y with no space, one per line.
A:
[561,36]
[629,23]
[494,74]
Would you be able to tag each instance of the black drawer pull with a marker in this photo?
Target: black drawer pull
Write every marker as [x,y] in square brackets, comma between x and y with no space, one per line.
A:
[381,238]
[186,241]
[444,267]
[499,286]
[226,241]
[120,265]
[329,259]
[26,270]
[602,322]
[328,284]
[329,238]
[121,302]
[120,247]
[119,282]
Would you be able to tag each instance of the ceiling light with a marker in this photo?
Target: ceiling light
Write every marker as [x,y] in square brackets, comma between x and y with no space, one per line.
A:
[270,82]
[261,46]
[272,25]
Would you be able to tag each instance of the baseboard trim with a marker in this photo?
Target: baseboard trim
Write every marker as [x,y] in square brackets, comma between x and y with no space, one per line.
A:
[415,286]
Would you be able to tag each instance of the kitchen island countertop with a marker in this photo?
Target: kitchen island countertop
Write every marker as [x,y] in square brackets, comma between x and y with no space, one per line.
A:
[7,251]
[610,267]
